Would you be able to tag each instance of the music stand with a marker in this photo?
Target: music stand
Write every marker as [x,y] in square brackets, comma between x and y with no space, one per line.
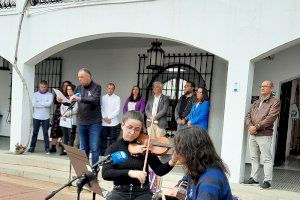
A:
[86,175]
[81,166]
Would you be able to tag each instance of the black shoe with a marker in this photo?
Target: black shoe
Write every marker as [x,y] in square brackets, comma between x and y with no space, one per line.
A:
[53,149]
[250,181]
[265,185]
[62,153]
[30,150]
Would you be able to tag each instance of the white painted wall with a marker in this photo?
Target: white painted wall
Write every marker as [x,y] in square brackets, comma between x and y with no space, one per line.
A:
[121,65]
[5,78]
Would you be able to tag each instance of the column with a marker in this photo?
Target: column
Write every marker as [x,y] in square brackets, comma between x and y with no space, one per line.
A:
[21,106]
[237,101]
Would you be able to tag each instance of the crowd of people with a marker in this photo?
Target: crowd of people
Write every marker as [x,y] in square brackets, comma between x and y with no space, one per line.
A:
[89,121]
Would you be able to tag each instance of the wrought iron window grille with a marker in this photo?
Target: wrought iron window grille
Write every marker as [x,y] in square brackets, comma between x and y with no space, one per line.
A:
[7,4]
[176,70]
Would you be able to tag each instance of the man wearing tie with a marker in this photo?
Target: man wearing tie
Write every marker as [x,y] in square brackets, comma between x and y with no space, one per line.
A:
[156,111]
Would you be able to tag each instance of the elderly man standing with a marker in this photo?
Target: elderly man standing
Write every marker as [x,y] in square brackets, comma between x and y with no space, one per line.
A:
[156,110]
[259,122]
[89,118]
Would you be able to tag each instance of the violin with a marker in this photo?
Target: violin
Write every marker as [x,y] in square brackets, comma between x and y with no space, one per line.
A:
[158,146]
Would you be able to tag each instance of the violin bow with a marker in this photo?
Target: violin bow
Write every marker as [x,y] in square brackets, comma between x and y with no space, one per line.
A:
[147,150]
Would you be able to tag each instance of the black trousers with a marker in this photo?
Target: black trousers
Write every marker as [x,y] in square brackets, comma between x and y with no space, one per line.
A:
[120,193]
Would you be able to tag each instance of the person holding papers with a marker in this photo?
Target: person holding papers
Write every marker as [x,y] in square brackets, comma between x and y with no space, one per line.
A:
[68,113]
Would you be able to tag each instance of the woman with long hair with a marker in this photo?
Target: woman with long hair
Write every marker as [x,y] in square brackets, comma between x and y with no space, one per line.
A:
[134,101]
[129,176]
[206,173]
[198,115]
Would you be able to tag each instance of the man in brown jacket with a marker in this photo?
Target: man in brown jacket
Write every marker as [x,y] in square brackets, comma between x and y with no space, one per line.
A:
[259,122]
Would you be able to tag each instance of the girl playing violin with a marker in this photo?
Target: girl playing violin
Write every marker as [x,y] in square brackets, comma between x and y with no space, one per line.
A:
[130,181]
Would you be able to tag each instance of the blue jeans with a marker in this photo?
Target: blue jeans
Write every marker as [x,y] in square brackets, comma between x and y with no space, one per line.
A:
[36,127]
[90,139]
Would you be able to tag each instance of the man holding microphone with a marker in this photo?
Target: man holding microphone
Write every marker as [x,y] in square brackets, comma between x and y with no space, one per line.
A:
[89,118]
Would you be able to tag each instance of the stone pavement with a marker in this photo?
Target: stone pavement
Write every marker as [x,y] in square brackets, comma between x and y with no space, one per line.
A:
[19,188]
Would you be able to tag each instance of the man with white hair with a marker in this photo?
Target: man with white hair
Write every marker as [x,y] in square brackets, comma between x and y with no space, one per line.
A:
[156,111]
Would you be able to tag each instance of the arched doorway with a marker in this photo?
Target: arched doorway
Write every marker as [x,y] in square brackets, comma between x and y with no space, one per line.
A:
[178,69]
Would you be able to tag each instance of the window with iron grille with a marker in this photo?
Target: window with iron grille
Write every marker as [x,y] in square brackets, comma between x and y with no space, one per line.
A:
[49,70]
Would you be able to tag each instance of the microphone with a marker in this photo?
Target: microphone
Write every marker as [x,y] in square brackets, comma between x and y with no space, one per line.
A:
[70,105]
[116,158]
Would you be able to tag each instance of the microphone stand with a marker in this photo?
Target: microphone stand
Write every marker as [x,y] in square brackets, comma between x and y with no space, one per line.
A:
[82,180]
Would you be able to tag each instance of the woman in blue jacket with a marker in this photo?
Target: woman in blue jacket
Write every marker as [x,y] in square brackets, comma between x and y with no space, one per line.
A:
[200,110]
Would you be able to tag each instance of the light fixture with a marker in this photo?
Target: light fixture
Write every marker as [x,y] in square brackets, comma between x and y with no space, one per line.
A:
[155,56]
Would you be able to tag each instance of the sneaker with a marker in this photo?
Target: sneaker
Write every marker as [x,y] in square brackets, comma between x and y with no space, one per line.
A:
[250,181]
[47,152]
[265,185]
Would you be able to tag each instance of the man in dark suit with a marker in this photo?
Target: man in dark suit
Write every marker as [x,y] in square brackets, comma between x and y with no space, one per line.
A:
[156,110]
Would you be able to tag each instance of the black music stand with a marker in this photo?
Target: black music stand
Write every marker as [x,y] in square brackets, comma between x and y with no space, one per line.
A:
[86,175]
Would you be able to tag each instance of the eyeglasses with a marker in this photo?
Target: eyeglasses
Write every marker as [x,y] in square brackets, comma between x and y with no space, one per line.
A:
[265,86]
[130,128]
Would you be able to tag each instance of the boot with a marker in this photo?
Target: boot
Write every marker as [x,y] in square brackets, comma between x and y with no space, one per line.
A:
[53,149]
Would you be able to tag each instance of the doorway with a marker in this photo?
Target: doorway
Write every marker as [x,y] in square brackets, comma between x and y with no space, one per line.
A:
[287,153]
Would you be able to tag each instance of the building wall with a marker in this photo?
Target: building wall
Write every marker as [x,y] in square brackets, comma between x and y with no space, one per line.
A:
[5,78]
[121,66]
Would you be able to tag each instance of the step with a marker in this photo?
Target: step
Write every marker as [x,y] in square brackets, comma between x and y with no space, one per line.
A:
[54,168]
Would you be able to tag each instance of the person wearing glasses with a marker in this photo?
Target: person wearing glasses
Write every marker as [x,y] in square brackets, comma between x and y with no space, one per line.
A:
[259,122]
[130,182]
[200,110]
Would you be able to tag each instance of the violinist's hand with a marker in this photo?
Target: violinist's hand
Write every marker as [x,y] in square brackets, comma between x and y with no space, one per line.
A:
[138,174]
[138,149]
[174,159]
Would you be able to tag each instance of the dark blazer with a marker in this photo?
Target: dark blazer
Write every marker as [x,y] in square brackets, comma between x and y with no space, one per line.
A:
[162,110]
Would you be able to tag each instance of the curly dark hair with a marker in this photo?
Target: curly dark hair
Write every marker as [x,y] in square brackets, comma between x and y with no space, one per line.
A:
[194,145]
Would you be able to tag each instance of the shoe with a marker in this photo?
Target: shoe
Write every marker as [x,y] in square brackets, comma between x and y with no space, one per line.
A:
[47,152]
[30,150]
[62,153]
[265,185]
[53,149]
[250,181]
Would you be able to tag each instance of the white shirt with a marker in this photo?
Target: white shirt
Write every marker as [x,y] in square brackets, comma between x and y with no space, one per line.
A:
[41,105]
[131,106]
[155,105]
[110,107]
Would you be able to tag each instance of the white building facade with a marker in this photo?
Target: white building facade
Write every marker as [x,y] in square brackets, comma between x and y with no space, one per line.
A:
[107,35]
